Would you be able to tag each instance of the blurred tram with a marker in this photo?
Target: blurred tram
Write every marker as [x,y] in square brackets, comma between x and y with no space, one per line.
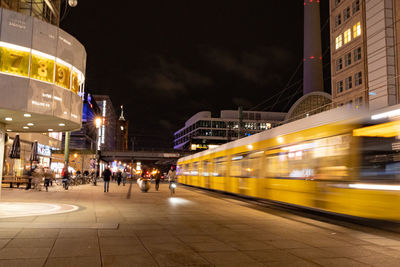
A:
[340,161]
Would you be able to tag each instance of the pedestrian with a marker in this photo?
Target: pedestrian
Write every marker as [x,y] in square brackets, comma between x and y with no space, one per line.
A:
[119,177]
[124,175]
[38,177]
[47,178]
[106,176]
[158,178]
[65,177]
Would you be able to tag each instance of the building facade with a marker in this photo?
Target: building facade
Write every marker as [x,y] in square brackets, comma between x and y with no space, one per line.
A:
[365,52]
[107,131]
[202,131]
[48,11]
[42,74]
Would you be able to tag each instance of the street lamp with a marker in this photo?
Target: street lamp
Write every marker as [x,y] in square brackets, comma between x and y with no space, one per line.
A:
[97,122]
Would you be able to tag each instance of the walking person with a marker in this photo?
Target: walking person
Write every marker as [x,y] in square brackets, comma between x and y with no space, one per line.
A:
[158,178]
[38,177]
[124,175]
[106,177]
[119,177]
[65,177]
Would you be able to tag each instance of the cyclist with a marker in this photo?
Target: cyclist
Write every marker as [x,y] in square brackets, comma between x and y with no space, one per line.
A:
[172,179]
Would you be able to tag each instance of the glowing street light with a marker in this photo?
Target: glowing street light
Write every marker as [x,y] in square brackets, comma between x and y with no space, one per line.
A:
[97,122]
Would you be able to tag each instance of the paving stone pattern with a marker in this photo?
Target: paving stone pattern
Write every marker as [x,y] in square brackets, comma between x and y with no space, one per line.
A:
[194,228]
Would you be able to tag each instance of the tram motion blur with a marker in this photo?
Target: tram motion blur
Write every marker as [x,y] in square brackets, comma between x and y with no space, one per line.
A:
[340,161]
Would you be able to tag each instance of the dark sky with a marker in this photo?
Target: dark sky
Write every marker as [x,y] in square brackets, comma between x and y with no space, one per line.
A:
[167,60]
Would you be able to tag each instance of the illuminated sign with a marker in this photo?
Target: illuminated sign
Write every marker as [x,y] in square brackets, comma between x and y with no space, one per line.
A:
[56,135]
[103,127]
[26,62]
[44,150]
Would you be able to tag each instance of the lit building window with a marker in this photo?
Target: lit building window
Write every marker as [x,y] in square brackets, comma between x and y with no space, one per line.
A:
[339,42]
[347,36]
[356,30]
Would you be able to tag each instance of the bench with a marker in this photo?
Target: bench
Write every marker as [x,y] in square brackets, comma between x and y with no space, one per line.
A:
[17,182]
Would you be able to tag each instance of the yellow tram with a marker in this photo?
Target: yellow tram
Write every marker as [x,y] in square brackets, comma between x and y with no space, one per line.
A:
[340,161]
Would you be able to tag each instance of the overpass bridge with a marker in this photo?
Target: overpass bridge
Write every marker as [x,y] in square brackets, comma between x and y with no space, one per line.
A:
[159,157]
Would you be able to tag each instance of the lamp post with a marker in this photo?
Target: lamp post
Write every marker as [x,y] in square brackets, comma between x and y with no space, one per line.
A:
[97,122]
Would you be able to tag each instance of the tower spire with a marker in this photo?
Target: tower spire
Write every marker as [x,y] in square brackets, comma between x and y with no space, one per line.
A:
[121,117]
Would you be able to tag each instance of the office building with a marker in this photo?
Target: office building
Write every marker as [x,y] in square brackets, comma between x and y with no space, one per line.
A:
[202,131]
[365,52]
[108,129]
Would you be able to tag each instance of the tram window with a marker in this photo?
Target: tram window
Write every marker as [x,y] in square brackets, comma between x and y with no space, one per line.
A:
[326,158]
[195,169]
[205,168]
[246,165]
[380,158]
[219,167]
[236,166]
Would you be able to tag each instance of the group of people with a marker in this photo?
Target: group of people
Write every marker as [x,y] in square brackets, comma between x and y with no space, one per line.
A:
[119,176]
[36,175]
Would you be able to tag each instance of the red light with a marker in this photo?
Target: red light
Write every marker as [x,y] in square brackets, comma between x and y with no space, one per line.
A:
[312,57]
[304,59]
[147,172]
[304,3]
[320,57]
[310,1]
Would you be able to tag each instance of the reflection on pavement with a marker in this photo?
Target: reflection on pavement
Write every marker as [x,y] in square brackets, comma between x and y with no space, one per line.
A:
[178,201]
[21,209]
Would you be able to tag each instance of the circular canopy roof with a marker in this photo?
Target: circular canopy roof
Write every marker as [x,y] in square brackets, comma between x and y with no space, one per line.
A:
[311,103]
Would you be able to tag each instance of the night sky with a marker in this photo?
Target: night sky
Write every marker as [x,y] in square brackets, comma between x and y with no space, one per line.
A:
[167,60]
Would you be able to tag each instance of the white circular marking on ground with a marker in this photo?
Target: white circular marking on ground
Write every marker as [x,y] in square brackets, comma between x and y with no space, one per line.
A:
[21,209]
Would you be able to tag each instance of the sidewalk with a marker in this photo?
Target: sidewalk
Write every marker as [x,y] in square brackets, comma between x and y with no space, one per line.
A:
[194,228]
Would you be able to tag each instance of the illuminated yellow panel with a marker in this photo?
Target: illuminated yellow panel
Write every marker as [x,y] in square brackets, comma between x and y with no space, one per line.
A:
[63,74]
[347,36]
[14,61]
[75,83]
[356,30]
[42,68]
[339,42]
[389,129]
